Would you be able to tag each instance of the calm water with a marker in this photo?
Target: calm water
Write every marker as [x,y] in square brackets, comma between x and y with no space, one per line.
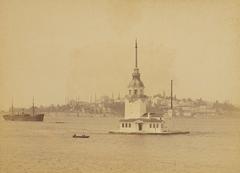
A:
[47,147]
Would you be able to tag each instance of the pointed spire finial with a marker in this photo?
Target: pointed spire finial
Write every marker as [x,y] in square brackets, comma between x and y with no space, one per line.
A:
[136,60]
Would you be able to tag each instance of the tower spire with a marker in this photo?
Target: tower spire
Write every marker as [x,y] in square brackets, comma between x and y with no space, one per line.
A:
[136,62]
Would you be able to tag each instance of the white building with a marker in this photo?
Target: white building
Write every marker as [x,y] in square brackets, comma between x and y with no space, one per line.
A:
[147,123]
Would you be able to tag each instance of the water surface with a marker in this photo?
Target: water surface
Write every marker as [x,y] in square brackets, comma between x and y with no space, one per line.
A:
[48,147]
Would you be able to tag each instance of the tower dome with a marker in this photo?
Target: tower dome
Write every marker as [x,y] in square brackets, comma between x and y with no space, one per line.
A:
[135,83]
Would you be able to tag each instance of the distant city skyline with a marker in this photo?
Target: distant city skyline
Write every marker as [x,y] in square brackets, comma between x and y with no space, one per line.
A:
[52,50]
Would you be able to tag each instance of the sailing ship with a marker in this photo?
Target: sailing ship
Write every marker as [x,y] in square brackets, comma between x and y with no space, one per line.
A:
[23,116]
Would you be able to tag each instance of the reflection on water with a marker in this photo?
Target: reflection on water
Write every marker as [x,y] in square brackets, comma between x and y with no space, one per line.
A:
[33,147]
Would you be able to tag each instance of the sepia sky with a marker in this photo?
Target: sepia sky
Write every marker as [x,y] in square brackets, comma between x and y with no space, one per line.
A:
[51,49]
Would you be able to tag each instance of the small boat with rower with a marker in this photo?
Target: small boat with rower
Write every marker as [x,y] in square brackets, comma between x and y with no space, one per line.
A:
[80,136]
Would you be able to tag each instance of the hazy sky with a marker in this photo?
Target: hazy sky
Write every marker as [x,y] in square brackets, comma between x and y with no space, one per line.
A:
[51,49]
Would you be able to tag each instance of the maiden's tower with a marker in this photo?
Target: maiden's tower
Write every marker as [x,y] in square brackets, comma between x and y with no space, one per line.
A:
[136,118]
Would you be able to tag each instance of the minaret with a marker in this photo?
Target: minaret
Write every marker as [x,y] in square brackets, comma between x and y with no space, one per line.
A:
[90,98]
[170,111]
[112,97]
[95,98]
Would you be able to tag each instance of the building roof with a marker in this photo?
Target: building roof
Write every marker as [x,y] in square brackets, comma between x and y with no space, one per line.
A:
[141,119]
[153,114]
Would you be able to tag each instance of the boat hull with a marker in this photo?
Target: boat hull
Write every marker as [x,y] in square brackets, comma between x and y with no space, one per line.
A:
[80,136]
[24,117]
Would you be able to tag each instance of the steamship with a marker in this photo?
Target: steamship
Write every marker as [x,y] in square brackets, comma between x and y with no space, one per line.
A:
[23,116]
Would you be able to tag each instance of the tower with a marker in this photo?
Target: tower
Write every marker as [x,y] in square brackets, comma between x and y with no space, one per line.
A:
[135,103]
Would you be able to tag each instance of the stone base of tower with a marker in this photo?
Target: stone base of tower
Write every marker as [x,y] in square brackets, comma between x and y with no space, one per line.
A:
[147,133]
[135,109]
[144,126]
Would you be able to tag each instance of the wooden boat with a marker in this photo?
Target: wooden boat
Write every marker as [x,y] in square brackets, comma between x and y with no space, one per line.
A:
[80,136]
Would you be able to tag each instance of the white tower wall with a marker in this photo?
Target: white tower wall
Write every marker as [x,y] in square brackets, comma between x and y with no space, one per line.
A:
[135,109]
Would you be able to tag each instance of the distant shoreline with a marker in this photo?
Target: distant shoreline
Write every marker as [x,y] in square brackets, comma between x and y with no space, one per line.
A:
[92,115]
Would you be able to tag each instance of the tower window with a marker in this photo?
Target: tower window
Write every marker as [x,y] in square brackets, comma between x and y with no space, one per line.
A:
[153,125]
[150,125]
[135,92]
[130,92]
[122,124]
[129,125]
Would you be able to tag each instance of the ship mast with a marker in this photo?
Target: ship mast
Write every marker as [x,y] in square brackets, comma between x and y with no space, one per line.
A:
[171,94]
[33,109]
[12,106]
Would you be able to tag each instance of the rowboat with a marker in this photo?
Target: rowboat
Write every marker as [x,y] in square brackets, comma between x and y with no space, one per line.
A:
[80,136]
